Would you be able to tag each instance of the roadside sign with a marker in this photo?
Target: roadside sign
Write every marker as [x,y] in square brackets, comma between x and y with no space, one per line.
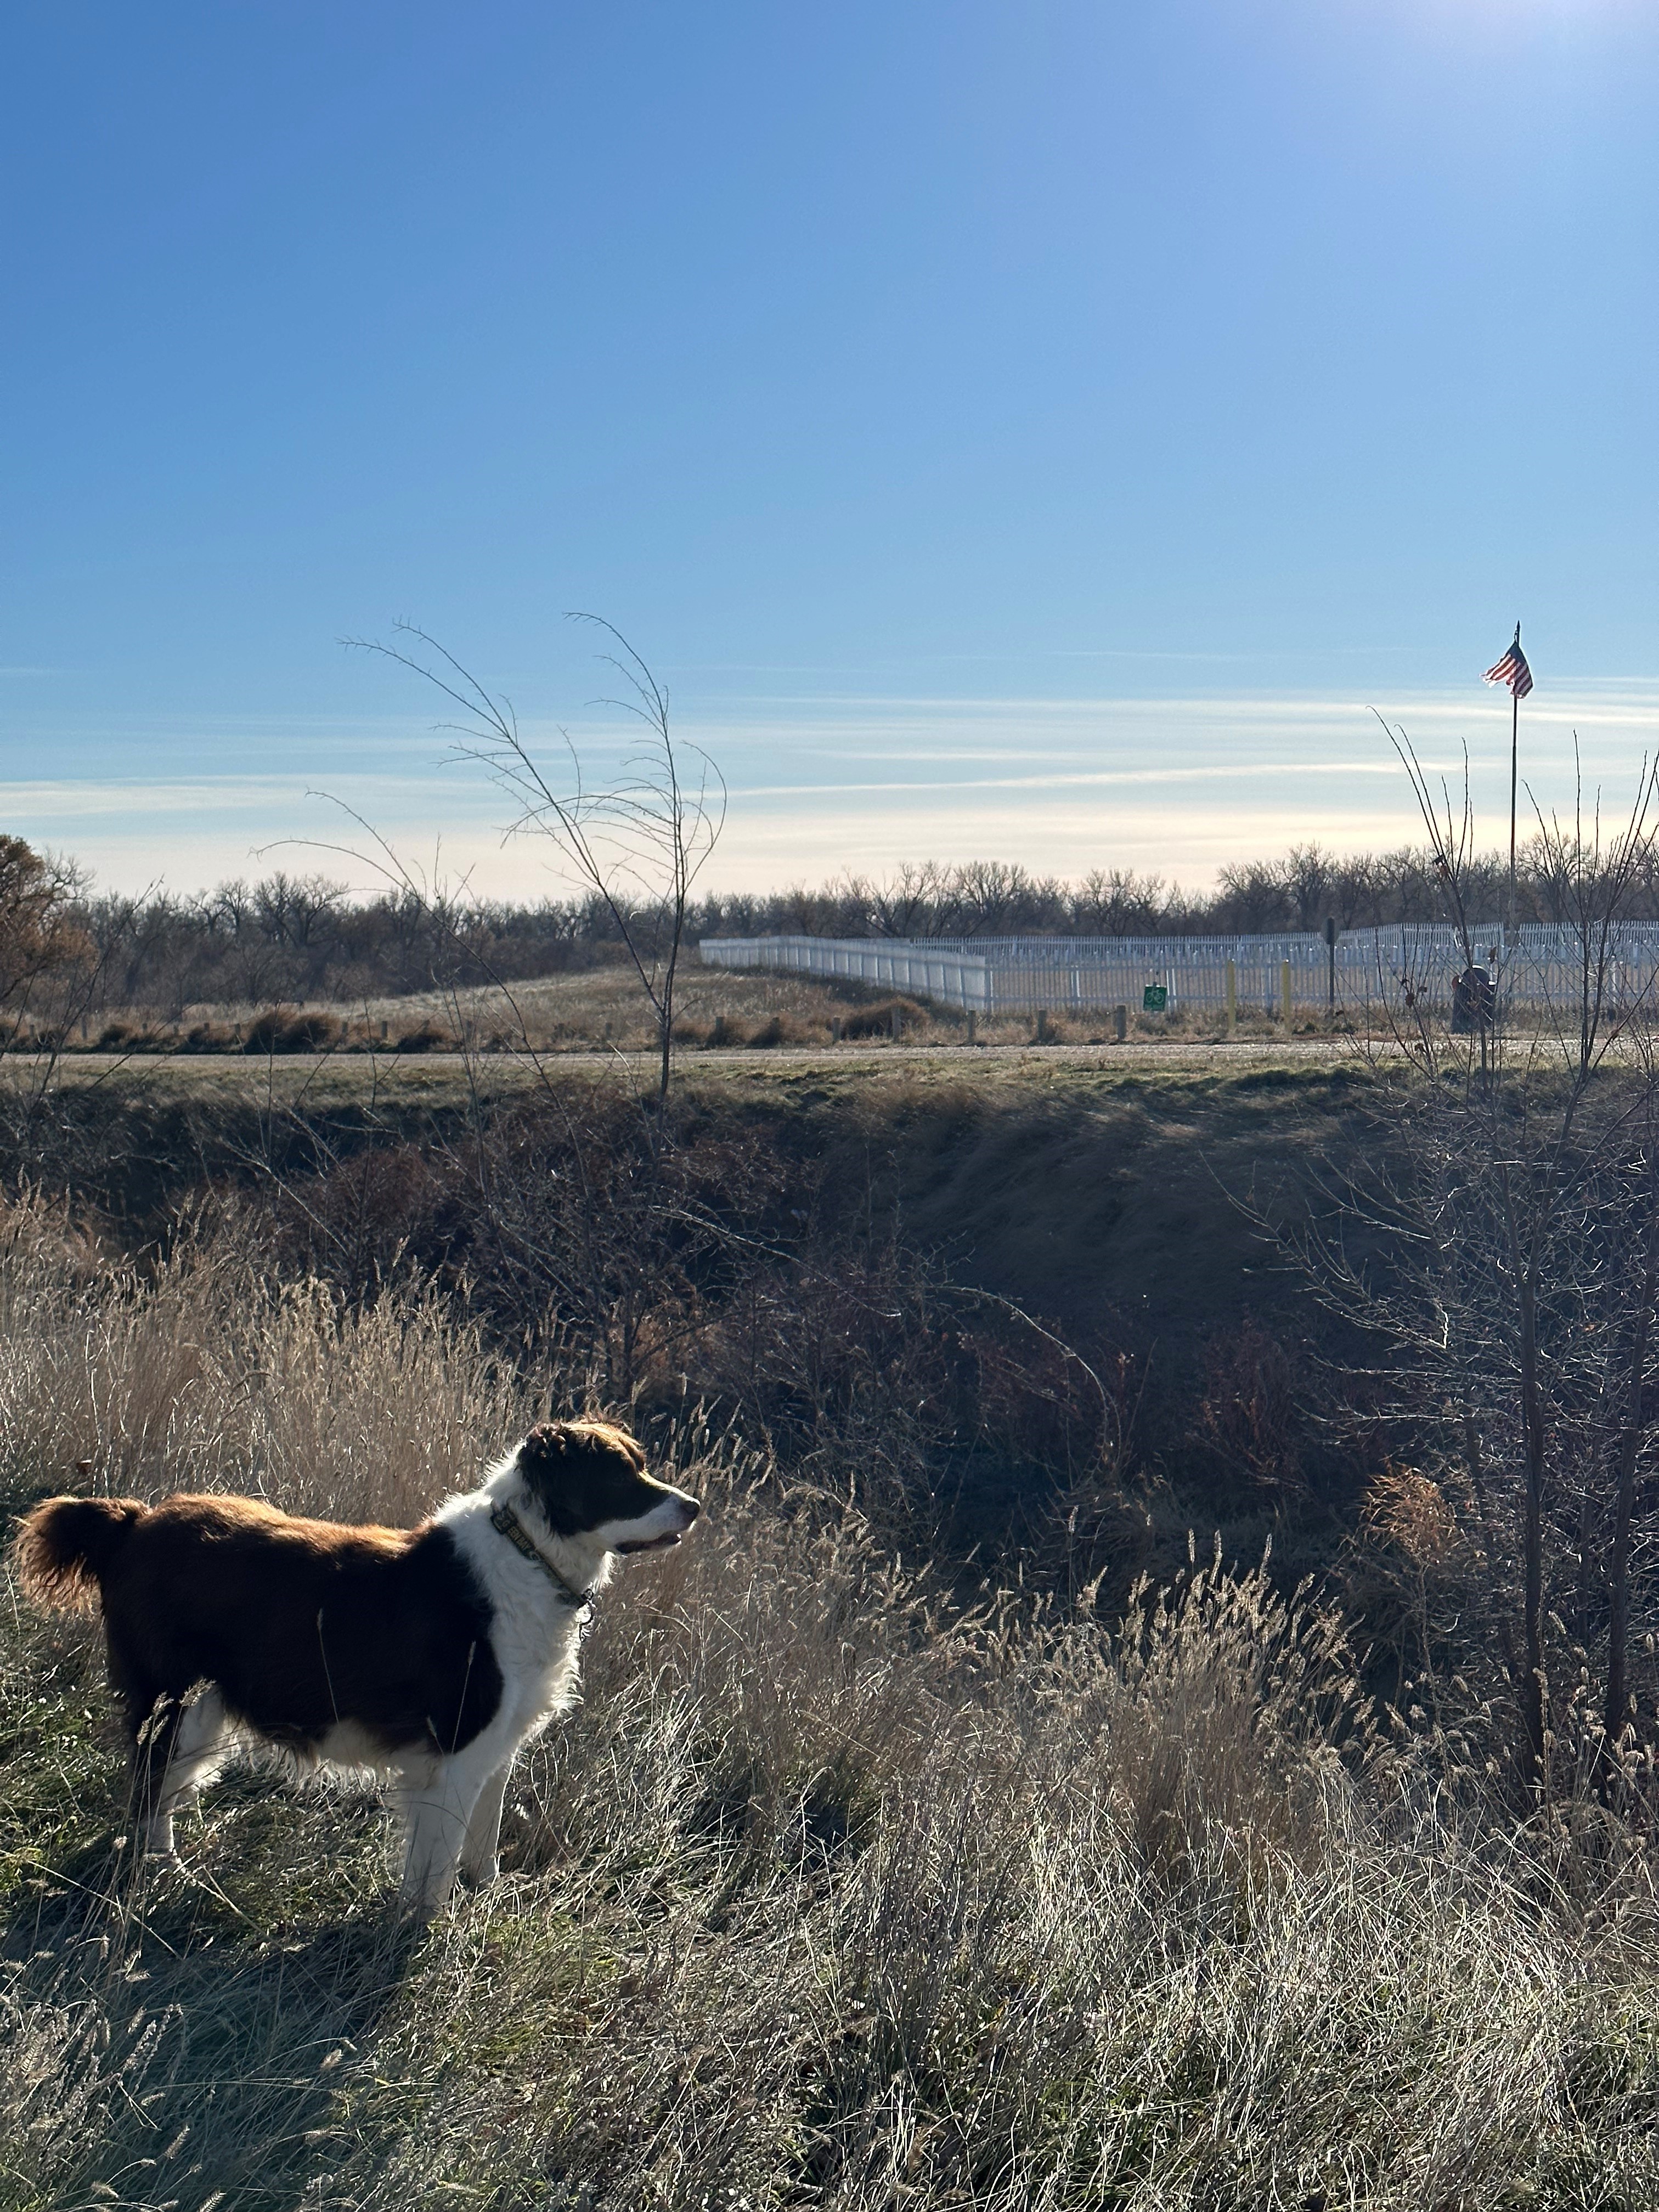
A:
[1154,998]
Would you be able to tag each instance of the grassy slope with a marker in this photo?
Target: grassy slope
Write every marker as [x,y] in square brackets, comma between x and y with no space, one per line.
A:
[1100,1191]
[827,1895]
[605,1004]
[824,1897]
[1079,1181]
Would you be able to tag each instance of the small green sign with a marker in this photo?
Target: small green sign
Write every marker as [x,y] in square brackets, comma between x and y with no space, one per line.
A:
[1154,998]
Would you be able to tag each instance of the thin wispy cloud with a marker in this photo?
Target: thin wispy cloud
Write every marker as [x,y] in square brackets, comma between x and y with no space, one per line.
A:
[821,783]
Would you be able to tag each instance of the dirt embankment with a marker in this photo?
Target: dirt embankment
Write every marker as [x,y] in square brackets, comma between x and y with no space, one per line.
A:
[1075,1185]
[1116,1206]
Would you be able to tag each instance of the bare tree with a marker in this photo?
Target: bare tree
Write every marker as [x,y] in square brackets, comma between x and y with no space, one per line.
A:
[908,903]
[1596,883]
[1117,902]
[638,844]
[1500,1241]
[1308,881]
[52,972]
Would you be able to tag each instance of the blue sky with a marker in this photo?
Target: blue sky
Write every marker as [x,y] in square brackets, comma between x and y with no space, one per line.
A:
[1040,431]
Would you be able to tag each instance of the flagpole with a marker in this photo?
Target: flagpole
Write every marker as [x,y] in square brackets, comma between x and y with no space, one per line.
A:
[1514,757]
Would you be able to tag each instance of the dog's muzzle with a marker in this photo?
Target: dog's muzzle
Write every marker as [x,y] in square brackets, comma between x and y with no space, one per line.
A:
[688,1509]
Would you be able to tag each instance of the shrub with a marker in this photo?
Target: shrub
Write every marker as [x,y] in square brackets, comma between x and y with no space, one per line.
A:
[427,1037]
[207,1036]
[785,1029]
[263,1034]
[310,1032]
[281,1029]
[877,1020]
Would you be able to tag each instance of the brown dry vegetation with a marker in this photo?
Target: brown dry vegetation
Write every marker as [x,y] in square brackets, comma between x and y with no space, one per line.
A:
[911,1846]
[838,1890]
[755,1243]
[602,1006]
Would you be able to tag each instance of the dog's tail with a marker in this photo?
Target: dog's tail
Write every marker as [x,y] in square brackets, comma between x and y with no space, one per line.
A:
[66,1546]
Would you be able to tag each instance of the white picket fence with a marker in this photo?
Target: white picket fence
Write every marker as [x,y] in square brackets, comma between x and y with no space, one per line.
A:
[1537,965]
[954,978]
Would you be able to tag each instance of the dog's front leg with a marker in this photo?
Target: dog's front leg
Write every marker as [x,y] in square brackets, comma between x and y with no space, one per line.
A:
[194,1753]
[437,1814]
[152,1805]
[178,1747]
[479,1860]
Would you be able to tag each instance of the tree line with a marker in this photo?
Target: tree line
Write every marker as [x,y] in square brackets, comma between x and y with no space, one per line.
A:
[285,937]
[1299,890]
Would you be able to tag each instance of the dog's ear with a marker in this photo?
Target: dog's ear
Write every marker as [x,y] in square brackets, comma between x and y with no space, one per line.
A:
[583,1474]
[547,1440]
[543,1452]
[551,1442]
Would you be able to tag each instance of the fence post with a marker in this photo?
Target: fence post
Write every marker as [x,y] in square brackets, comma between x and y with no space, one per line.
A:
[1233,998]
[1285,990]
[971,1025]
[1043,1025]
[1120,1023]
[835,1029]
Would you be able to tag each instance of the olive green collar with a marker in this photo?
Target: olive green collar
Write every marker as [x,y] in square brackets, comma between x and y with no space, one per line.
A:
[503,1517]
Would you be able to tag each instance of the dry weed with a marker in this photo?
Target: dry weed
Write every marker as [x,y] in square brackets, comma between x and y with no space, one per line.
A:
[833,1892]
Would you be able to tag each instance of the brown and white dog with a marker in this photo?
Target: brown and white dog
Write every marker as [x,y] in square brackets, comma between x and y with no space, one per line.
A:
[432,1654]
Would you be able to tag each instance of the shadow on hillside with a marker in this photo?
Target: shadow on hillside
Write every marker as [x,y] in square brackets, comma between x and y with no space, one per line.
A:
[161,2016]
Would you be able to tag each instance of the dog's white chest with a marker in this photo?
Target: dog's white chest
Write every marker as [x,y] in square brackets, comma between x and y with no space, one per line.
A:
[537,1644]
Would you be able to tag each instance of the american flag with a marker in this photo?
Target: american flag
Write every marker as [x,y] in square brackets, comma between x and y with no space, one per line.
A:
[1512,669]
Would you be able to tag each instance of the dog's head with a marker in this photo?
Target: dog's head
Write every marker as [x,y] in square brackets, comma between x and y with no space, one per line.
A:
[589,1483]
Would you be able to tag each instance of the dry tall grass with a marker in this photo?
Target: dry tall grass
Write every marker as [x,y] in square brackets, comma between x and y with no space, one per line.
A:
[833,1892]
[207,1375]
[602,1008]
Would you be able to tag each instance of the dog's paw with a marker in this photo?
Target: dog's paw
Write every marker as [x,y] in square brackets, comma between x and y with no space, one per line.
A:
[164,1872]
